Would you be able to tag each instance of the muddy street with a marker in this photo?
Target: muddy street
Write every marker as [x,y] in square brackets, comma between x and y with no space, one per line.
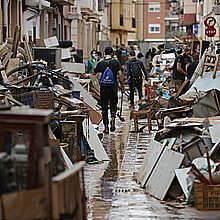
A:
[112,192]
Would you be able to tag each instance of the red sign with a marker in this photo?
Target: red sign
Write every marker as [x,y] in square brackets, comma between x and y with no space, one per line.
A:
[210,22]
[210,31]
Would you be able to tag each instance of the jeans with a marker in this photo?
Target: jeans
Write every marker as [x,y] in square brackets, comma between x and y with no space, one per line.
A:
[108,94]
[132,86]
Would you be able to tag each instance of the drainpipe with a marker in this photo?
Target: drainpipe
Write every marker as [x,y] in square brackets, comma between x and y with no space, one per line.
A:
[5,19]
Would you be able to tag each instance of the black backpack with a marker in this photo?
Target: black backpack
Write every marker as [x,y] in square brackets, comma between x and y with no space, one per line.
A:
[135,69]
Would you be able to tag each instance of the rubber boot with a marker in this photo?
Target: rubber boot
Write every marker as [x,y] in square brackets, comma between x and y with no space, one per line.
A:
[112,128]
[106,131]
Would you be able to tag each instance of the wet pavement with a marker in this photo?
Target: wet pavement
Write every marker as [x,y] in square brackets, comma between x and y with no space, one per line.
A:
[112,192]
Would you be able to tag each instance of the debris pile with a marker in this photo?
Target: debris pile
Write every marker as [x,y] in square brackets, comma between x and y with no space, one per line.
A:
[182,161]
[47,123]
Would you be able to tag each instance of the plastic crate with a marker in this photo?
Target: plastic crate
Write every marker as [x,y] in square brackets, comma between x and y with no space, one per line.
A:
[206,196]
[27,99]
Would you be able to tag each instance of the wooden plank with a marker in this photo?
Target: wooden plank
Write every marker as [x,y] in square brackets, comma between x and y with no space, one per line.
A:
[7,58]
[209,64]
[27,48]
[3,49]
[24,205]
[153,154]
[214,149]
[181,175]
[216,66]
[94,141]
[163,174]
[67,173]
[14,101]
[214,133]
[12,64]
[171,143]
[88,99]
[94,116]
[16,39]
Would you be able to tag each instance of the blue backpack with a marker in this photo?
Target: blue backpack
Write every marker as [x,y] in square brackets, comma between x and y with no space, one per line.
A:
[107,77]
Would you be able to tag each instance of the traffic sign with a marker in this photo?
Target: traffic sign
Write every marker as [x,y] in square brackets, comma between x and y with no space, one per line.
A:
[210,31]
[195,29]
[210,22]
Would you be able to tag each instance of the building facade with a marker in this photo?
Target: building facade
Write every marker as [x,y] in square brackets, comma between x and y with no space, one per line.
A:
[122,21]
[154,21]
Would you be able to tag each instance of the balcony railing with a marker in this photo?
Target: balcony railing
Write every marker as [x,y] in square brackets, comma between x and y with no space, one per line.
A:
[121,20]
[170,33]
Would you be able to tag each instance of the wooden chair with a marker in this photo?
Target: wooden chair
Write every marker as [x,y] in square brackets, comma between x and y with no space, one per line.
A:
[207,63]
[148,123]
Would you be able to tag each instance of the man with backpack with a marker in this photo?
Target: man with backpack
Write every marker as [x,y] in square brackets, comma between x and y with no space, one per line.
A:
[109,67]
[134,68]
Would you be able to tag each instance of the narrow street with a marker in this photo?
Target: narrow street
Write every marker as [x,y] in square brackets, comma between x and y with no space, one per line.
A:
[112,192]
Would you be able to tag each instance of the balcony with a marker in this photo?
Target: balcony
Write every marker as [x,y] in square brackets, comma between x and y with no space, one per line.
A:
[170,32]
[170,17]
[75,13]
[187,19]
[89,6]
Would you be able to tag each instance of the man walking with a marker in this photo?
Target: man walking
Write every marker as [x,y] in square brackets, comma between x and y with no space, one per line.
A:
[179,71]
[109,67]
[134,68]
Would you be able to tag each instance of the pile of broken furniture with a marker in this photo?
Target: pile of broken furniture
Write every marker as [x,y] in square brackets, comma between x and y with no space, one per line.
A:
[47,120]
[182,162]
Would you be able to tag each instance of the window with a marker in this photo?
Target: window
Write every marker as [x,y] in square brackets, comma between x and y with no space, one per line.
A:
[154,7]
[154,28]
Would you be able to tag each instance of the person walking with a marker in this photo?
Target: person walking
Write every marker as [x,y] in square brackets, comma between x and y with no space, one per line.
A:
[91,63]
[192,66]
[109,67]
[118,53]
[134,68]
[179,68]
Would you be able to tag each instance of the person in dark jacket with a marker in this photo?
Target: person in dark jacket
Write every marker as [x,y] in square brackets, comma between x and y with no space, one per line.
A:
[109,93]
[134,68]
[179,68]
[192,66]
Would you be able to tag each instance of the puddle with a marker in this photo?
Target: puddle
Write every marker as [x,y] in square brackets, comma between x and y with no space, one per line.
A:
[111,190]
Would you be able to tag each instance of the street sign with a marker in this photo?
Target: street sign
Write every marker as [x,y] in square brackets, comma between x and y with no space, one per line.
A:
[210,22]
[195,29]
[210,31]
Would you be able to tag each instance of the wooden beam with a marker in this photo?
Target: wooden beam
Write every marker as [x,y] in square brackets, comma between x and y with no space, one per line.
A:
[16,39]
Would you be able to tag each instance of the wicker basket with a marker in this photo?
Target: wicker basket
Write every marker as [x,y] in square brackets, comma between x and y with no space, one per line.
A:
[43,99]
[206,196]
[38,99]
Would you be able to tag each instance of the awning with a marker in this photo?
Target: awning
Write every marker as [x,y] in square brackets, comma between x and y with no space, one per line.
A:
[187,19]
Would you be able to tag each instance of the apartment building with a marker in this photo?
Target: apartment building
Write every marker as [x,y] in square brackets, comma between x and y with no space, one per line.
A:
[88,24]
[122,21]
[154,20]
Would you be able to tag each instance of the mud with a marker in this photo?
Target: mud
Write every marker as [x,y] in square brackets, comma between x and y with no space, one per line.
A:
[111,190]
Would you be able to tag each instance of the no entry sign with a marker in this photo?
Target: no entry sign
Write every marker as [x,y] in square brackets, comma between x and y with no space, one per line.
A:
[210,22]
[210,31]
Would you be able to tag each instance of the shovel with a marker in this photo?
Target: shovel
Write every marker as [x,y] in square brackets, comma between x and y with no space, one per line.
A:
[119,114]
